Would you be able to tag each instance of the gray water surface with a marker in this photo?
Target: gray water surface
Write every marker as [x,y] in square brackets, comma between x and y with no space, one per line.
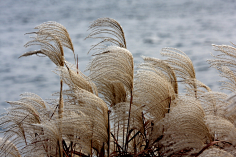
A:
[191,26]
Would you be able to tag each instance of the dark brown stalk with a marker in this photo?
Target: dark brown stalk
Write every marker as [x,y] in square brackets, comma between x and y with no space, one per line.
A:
[135,149]
[65,148]
[117,144]
[102,152]
[126,141]
[53,112]
[137,133]
[77,65]
[71,147]
[169,105]
[65,153]
[23,131]
[59,147]
[195,89]
[117,136]
[91,149]
[61,103]
[108,132]
[143,118]
[207,146]
[80,154]
[18,123]
[114,133]
[123,134]
[60,111]
[45,147]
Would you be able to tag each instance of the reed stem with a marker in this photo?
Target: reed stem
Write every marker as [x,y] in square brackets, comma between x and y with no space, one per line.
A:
[127,133]
[108,132]
[60,113]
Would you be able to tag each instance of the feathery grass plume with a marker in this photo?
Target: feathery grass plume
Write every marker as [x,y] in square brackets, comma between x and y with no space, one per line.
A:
[184,127]
[226,72]
[114,65]
[120,59]
[94,110]
[214,103]
[230,110]
[225,64]
[112,92]
[79,136]
[50,46]
[11,151]
[220,128]
[113,33]
[213,152]
[201,88]
[47,143]
[165,69]
[58,30]
[17,122]
[182,65]
[225,58]
[154,93]
[74,78]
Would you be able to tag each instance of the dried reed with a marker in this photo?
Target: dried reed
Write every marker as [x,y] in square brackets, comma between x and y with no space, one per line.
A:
[119,111]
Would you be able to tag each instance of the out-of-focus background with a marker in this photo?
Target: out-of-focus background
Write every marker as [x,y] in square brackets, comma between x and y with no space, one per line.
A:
[191,26]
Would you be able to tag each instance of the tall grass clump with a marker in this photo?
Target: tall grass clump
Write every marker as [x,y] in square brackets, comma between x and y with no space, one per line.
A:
[119,111]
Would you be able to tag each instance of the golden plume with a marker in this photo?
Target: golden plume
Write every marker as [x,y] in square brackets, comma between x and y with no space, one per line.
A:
[184,127]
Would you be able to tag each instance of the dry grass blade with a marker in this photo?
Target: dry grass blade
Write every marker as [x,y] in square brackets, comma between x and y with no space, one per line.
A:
[112,30]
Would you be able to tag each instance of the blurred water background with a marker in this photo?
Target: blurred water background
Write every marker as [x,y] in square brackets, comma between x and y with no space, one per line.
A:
[191,26]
